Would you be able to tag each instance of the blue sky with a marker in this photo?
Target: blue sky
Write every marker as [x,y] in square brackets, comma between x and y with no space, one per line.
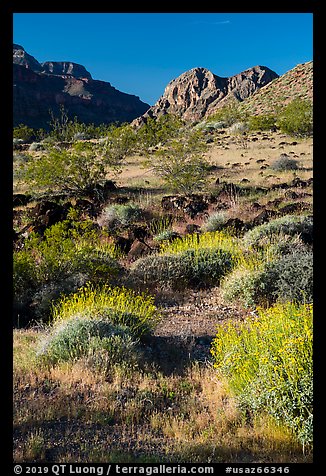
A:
[139,53]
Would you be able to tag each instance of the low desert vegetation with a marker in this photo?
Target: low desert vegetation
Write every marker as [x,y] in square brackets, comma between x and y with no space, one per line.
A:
[169,321]
[69,255]
[268,364]
[284,163]
[297,118]
[285,278]
[216,221]
[121,214]
[118,305]
[98,340]
[287,225]
[181,164]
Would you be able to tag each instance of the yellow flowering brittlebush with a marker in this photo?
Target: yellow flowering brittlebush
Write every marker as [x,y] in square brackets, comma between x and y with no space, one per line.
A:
[138,311]
[267,362]
[209,240]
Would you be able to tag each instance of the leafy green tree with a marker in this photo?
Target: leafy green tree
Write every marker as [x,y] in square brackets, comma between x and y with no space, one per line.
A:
[297,118]
[81,168]
[158,130]
[181,164]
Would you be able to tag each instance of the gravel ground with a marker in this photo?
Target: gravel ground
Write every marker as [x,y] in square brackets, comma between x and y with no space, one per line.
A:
[187,328]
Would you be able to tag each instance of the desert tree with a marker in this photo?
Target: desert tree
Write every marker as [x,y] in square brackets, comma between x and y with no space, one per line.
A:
[181,163]
[158,131]
[79,169]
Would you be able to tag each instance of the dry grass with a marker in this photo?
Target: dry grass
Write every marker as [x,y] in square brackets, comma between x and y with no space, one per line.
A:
[71,413]
[226,151]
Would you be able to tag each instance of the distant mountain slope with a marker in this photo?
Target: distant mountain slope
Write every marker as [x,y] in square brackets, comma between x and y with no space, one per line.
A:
[296,83]
[22,58]
[198,92]
[40,87]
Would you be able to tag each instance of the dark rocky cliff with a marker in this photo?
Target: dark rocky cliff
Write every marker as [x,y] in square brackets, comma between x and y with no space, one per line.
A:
[38,88]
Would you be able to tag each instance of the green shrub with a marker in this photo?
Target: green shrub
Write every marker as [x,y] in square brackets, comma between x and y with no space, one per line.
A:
[65,248]
[280,244]
[290,225]
[293,277]
[80,168]
[206,267]
[77,170]
[158,130]
[77,337]
[24,271]
[216,221]
[261,122]
[120,306]
[181,163]
[190,268]
[165,270]
[284,163]
[297,118]
[121,214]
[288,277]
[69,254]
[268,364]
[243,285]
[229,114]
[24,133]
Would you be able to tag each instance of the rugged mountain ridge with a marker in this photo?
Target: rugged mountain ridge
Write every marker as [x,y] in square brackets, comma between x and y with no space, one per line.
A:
[40,87]
[198,92]
[66,68]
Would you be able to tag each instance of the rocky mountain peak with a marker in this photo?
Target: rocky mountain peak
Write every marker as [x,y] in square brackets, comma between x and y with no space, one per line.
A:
[58,68]
[22,58]
[199,92]
[246,83]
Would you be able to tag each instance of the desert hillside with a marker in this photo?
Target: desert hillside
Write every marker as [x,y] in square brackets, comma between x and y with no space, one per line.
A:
[296,83]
